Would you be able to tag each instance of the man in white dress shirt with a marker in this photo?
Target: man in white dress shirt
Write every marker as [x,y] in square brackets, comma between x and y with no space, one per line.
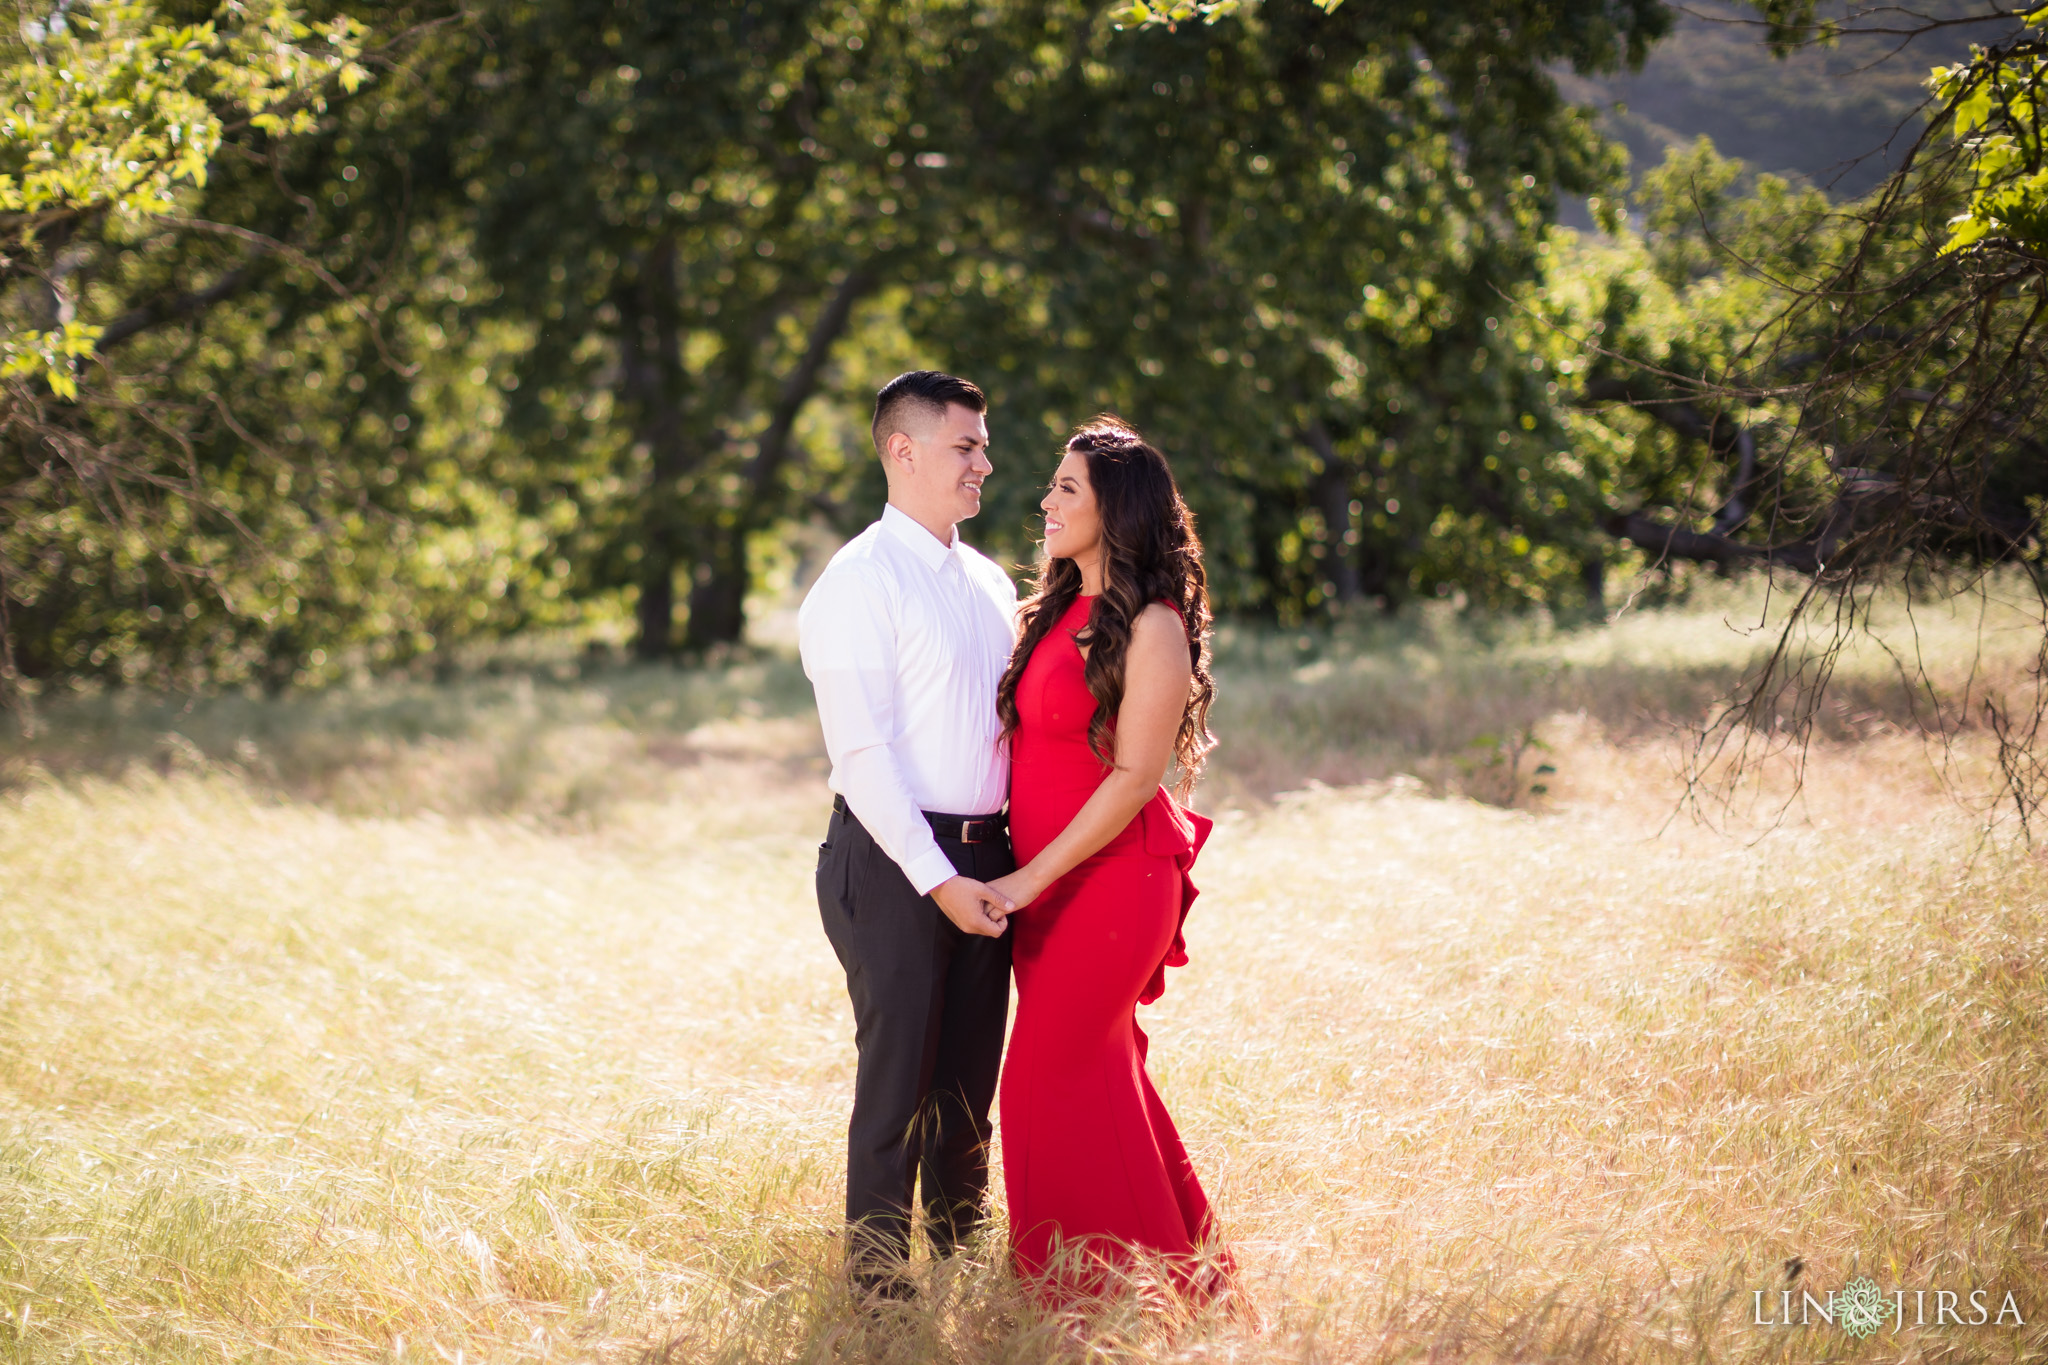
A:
[904,637]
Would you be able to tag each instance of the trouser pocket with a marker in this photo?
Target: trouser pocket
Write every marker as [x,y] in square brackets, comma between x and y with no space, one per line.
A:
[840,860]
[834,880]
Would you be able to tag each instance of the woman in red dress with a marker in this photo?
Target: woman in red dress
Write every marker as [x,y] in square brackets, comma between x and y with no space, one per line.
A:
[1108,686]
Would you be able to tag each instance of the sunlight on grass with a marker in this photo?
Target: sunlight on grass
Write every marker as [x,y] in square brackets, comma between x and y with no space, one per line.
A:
[1463,704]
[343,1059]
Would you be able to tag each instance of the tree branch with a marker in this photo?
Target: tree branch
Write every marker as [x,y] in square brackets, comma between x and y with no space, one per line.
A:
[138,320]
[799,383]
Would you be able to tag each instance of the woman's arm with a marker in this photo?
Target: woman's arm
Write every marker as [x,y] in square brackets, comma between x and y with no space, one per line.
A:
[1156,679]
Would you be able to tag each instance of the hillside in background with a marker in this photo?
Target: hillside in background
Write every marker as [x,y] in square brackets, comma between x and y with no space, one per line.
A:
[1839,117]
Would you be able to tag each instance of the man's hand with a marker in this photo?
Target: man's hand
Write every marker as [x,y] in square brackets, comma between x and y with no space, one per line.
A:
[974,906]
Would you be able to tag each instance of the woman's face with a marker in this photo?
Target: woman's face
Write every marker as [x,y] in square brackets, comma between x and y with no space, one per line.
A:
[1073,522]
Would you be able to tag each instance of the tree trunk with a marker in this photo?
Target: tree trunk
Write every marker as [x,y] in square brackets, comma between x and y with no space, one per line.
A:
[1333,493]
[1379,575]
[15,699]
[654,615]
[651,381]
[718,598]
[1383,558]
[1593,573]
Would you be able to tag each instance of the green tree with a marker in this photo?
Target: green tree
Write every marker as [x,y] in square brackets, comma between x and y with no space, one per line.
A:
[1995,100]
[112,111]
[572,309]
[1784,383]
[689,205]
[1834,386]
[121,117]
[1286,244]
[286,455]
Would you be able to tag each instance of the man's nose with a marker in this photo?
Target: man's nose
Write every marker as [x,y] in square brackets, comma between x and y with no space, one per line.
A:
[981,462]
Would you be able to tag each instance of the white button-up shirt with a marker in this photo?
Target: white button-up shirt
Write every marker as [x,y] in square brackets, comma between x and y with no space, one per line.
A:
[904,640]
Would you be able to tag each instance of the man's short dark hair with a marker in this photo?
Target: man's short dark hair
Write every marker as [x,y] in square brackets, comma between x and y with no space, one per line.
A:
[923,390]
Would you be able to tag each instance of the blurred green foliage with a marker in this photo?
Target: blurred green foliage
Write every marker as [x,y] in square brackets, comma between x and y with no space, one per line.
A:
[1997,100]
[111,111]
[277,459]
[343,334]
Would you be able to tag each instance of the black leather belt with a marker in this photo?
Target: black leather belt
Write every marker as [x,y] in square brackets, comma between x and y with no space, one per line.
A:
[965,829]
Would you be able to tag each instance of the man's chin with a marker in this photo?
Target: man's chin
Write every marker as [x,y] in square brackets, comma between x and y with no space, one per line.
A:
[969,507]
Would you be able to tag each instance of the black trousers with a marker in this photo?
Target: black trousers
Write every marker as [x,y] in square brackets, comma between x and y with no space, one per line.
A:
[929,1006]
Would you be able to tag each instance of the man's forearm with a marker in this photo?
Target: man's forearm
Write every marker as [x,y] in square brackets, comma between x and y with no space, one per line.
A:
[882,802]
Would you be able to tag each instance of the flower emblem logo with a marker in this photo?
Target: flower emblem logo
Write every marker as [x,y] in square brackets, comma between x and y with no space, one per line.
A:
[1861,1309]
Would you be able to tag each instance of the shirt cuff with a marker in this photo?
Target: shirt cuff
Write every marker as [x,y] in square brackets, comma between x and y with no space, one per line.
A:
[929,869]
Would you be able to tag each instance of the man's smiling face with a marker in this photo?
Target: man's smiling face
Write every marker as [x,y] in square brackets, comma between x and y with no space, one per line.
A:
[949,460]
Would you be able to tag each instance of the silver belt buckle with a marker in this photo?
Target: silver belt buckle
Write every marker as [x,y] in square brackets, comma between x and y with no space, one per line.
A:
[967,831]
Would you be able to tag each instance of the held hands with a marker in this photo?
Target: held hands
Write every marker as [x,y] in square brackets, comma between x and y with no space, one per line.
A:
[976,907]
[1018,888]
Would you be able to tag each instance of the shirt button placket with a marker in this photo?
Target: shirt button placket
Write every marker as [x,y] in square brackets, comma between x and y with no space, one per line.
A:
[953,586]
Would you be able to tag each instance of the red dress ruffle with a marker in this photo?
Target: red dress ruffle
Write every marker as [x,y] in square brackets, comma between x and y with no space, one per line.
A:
[1173,831]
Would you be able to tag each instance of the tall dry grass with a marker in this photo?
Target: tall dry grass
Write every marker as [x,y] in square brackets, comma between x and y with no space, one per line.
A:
[492,1021]
[1460,702]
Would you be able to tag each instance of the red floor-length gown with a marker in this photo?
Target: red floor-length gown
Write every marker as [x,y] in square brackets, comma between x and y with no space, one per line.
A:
[1090,1154]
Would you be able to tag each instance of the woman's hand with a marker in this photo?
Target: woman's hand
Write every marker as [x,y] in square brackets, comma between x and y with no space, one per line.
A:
[1020,887]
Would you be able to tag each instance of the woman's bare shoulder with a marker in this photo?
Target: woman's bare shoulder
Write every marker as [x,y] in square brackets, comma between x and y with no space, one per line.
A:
[1159,631]
[1161,616]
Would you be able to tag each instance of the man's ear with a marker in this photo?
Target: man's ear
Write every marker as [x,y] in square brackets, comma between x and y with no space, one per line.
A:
[897,453]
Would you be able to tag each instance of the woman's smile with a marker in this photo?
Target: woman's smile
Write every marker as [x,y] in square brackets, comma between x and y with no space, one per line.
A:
[1073,523]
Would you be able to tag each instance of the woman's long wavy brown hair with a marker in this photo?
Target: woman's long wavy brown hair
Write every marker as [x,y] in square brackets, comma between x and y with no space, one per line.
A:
[1150,554]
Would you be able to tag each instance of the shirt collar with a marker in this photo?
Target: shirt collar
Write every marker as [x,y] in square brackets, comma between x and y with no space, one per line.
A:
[921,542]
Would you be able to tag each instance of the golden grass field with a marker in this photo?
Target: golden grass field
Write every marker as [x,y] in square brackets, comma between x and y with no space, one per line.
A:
[492,1021]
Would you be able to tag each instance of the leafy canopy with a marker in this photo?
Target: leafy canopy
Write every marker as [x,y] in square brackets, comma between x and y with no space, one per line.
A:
[109,110]
[1996,97]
